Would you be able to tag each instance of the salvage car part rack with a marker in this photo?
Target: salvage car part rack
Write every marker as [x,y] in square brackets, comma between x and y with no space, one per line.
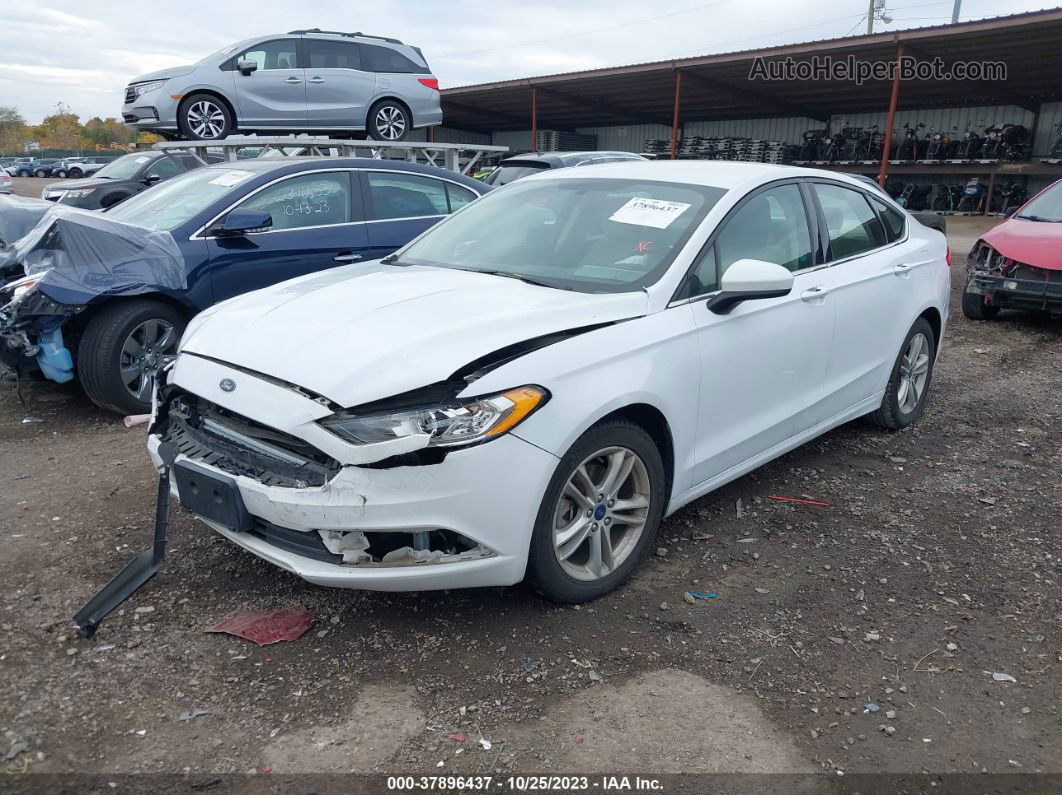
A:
[461,158]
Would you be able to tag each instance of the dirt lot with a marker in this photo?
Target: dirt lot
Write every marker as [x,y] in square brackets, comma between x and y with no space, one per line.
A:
[936,566]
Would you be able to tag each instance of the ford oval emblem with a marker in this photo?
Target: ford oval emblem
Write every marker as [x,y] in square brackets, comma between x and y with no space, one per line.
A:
[227,385]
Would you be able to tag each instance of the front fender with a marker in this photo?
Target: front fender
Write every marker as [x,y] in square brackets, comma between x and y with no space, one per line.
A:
[649,360]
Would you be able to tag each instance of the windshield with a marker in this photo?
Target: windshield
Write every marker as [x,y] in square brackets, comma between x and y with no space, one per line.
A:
[510,172]
[591,235]
[125,167]
[1045,207]
[178,200]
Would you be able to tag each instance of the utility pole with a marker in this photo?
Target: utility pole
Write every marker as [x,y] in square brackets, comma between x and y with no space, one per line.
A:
[955,11]
[870,16]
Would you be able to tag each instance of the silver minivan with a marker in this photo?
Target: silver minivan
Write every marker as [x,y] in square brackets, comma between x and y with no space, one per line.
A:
[303,81]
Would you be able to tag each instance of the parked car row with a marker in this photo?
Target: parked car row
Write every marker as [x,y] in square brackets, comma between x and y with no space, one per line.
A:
[74,167]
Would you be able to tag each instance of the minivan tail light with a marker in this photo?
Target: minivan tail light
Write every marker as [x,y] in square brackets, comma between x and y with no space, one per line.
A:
[430,82]
[947,256]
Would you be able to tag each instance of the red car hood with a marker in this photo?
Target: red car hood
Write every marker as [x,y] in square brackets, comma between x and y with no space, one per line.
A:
[1036,243]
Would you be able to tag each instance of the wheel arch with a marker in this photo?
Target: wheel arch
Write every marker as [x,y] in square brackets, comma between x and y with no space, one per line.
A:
[77,324]
[389,97]
[936,322]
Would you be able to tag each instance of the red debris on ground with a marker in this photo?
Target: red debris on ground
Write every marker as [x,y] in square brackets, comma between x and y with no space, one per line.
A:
[802,502]
[457,737]
[265,627]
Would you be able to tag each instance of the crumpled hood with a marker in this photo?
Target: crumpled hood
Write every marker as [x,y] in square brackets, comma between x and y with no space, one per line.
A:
[162,74]
[80,255]
[1036,243]
[359,334]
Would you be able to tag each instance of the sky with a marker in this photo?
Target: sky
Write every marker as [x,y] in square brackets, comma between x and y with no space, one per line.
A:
[83,54]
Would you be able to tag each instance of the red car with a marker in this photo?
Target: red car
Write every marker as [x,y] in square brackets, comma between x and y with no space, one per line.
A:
[1018,264]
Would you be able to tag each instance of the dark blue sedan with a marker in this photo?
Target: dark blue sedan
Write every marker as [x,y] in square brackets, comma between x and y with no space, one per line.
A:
[104,300]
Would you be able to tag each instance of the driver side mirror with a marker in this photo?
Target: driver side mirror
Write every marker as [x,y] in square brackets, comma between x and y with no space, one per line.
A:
[151,179]
[247,66]
[750,280]
[243,222]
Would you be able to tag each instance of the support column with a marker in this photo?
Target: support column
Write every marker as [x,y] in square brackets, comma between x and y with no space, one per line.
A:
[675,114]
[534,119]
[891,119]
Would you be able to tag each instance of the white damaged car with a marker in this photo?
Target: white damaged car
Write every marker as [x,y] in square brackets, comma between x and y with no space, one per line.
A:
[528,388]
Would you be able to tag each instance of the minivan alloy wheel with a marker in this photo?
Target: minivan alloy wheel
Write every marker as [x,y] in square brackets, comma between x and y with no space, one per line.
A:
[206,119]
[141,354]
[914,372]
[390,123]
[601,513]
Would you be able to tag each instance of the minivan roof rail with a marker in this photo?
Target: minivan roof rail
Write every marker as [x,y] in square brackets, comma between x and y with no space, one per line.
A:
[341,33]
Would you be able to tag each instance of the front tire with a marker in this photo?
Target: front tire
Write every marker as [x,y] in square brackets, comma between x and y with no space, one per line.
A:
[121,347]
[61,174]
[389,121]
[975,308]
[204,117]
[599,515]
[75,173]
[908,387]
[40,173]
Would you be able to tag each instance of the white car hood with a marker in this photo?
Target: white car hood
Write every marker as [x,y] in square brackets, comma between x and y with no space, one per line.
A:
[356,335]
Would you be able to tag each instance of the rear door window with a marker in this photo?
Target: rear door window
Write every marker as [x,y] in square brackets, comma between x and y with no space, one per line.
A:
[892,218]
[322,54]
[854,228]
[397,196]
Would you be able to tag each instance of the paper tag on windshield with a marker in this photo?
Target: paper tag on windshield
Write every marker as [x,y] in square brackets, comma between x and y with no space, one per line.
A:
[142,159]
[230,178]
[656,213]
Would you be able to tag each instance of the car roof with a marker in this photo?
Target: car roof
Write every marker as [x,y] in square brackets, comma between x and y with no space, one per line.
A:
[724,174]
[266,165]
[560,159]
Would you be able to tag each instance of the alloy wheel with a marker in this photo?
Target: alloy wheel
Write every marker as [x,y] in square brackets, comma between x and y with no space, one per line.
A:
[206,119]
[601,513]
[914,372]
[390,122]
[141,354]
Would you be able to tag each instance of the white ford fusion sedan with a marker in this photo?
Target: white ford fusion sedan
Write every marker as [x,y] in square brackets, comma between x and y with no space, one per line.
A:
[528,388]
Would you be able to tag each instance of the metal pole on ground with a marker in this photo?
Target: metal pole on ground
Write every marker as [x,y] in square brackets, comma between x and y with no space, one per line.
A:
[891,119]
[675,114]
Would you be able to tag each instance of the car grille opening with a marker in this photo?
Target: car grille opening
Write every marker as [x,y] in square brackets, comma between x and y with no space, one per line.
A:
[215,436]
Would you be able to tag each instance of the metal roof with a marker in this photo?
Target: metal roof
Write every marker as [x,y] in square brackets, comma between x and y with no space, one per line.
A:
[718,86]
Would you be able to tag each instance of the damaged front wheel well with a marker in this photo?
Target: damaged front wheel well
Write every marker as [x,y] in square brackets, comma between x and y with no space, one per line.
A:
[653,422]
[76,325]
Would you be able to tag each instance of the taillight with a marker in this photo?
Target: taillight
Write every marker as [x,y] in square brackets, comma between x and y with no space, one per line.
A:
[430,82]
[947,257]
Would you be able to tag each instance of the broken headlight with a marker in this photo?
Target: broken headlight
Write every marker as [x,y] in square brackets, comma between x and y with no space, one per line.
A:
[15,291]
[445,425]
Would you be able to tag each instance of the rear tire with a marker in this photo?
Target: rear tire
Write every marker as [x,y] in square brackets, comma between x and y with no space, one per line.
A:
[912,374]
[389,120]
[61,174]
[975,308]
[118,344]
[40,173]
[204,117]
[75,173]
[616,526]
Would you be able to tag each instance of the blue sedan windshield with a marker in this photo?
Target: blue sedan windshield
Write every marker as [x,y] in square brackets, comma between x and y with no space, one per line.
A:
[167,206]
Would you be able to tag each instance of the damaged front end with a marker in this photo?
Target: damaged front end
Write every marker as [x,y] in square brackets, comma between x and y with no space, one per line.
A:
[208,443]
[1006,283]
[31,335]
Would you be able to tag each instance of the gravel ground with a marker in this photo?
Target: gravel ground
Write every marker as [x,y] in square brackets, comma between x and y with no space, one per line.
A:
[935,566]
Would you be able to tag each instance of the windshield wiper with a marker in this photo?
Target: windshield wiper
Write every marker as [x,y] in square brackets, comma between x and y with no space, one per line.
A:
[1039,218]
[518,277]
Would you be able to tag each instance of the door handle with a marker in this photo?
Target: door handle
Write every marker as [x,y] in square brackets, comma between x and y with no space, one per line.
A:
[293,80]
[903,267]
[316,80]
[814,294]
[346,256]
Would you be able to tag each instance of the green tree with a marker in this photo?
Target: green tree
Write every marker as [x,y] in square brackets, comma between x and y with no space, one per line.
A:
[13,130]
